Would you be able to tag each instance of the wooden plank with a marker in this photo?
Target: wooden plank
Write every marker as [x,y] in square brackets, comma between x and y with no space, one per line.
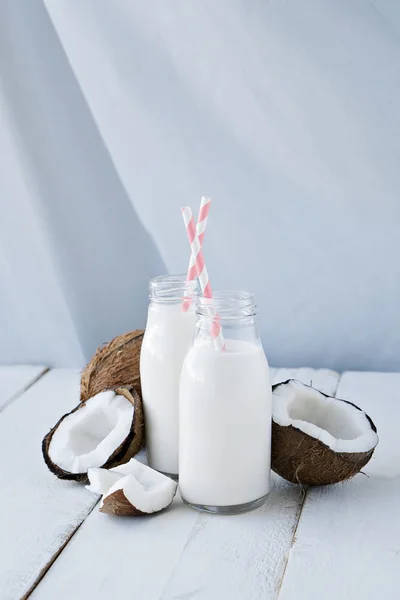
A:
[38,512]
[15,379]
[348,539]
[239,556]
[179,553]
[113,556]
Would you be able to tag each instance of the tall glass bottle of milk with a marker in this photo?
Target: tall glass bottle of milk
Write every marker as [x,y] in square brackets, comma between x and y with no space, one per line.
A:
[169,333]
[225,410]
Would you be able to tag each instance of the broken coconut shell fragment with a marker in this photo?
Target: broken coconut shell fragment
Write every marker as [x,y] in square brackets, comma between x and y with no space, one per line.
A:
[316,439]
[115,364]
[132,489]
[104,431]
[118,504]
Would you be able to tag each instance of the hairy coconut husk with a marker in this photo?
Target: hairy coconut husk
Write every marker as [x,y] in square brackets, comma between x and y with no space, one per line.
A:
[300,458]
[115,364]
[127,450]
[117,504]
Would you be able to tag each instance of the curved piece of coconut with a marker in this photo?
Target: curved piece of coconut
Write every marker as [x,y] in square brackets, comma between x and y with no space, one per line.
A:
[132,489]
[104,431]
[101,479]
[114,365]
[316,439]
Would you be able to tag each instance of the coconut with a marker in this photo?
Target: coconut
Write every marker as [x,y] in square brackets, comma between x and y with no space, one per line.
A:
[104,431]
[114,365]
[132,489]
[316,439]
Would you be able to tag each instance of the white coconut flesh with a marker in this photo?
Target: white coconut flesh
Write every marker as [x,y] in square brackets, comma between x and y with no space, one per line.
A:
[89,436]
[146,489]
[100,480]
[338,424]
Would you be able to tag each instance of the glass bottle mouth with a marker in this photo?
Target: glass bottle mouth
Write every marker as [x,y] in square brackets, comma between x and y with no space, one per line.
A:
[170,288]
[228,304]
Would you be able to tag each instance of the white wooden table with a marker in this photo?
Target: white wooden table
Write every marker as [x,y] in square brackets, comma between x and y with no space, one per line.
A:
[336,543]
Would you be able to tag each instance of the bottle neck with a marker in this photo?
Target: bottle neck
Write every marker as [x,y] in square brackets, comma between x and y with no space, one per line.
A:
[235,312]
[168,290]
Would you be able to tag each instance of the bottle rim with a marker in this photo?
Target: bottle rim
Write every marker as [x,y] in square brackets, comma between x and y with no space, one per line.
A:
[170,288]
[228,304]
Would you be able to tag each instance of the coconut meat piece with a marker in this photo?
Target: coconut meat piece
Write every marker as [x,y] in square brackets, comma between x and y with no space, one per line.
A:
[336,423]
[100,480]
[146,489]
[89,436]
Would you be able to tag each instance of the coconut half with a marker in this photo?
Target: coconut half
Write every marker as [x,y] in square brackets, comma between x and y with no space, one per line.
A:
[132,489]
[105,431]
[316,439]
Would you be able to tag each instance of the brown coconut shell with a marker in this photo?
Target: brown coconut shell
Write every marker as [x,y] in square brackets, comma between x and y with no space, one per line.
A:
[118,504]
[127,450]
[116,364]
[300,458]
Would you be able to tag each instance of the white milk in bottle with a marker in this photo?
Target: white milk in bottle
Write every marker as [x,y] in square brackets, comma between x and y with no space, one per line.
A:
[225,410]
[169,332]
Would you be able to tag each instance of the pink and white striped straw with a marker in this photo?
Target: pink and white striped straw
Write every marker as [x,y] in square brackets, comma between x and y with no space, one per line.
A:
[200,230]
[202,273]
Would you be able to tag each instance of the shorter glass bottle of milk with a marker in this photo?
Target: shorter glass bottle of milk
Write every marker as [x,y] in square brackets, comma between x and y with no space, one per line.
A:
[169,333]
[225,410]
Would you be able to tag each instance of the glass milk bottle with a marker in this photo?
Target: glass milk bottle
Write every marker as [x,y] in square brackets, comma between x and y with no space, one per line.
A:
[169,332]
[225,410]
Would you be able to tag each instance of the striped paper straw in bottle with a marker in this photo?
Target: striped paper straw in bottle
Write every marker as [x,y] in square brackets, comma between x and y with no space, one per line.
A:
[202,273]
[200,230]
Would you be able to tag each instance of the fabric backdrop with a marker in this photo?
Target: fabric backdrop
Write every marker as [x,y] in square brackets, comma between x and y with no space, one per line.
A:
[115,113]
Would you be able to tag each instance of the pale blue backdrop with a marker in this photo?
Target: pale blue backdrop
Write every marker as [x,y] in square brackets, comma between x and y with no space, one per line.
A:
[117,113]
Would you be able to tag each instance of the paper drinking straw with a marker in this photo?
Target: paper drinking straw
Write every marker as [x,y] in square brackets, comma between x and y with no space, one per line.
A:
[202,273]
[200,229]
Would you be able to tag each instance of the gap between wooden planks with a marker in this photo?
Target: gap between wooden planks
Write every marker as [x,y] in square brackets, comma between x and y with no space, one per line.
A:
[14,380]
[181,553]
